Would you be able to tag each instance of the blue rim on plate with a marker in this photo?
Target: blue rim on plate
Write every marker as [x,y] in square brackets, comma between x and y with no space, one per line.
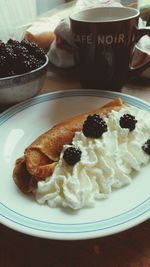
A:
[66,231]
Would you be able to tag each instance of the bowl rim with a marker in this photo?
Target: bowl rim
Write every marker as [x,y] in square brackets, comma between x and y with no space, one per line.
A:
[27,73]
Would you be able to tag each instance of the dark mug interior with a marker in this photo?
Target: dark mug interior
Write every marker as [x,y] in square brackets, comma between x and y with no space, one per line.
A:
[103,44]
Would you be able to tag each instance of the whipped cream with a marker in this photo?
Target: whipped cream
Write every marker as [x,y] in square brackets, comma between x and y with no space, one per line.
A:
[106,163]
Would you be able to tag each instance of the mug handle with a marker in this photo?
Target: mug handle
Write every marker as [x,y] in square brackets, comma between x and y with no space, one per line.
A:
[134,72]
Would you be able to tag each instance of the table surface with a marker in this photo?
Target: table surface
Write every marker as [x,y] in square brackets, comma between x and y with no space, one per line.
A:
[62,79]
[130,248]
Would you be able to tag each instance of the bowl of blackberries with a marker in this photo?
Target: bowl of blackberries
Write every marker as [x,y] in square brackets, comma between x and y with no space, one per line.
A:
[23,67]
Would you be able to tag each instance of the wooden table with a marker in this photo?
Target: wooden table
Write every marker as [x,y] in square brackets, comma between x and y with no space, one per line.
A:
[62,79]
[127,249]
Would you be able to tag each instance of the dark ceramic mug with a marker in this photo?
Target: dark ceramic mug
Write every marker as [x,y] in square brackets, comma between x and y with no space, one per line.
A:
[103,44]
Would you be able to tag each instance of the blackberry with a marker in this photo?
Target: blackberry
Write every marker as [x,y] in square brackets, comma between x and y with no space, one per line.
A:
[26,66]
[146,147]
[20,50]
[8,52]
[2,49]
[34,62]
[31,46]
[128,121]
[94,126]
[13,42]
[3,61]
[12,60]
[19,57]
[11,73]
[72,155]
[40,54]
[3,66]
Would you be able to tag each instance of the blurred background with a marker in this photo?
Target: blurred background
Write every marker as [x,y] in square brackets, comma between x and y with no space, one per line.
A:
[20,12]
[16,14]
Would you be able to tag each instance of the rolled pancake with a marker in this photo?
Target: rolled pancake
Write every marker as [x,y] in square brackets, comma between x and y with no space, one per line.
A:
[43,154]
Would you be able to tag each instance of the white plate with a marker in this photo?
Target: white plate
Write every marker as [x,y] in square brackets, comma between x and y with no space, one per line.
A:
[19,126]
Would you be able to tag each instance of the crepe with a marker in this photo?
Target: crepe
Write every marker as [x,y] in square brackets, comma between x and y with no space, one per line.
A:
[41,157]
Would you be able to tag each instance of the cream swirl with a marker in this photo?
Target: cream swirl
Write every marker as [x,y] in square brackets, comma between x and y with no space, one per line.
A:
[106,163]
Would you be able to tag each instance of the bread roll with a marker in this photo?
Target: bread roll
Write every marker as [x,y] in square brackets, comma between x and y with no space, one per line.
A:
[41,34]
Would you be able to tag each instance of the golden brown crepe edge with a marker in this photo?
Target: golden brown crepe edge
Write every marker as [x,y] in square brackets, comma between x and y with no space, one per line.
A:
[47,147]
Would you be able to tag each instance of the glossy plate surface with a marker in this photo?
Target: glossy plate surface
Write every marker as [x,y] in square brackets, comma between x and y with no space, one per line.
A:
[19,126]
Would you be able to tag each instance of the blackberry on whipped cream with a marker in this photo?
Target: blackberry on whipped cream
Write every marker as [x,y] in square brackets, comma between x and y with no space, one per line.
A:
[94,126]
[128,121]
[72,155]
[146,147]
